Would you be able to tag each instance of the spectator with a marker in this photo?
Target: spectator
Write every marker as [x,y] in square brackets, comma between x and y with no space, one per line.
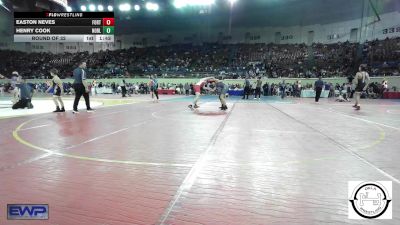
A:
[258,88]
[187,88]
[246,91]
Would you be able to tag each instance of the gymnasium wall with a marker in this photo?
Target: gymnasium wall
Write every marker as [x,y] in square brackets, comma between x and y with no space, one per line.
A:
[6,41]
[388,26]
[323,33]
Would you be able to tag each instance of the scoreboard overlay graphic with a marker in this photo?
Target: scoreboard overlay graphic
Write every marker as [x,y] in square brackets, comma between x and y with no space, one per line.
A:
[64,27]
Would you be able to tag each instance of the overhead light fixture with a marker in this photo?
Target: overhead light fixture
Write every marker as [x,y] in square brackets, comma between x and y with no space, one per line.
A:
[180,3]
[152,6]
[83,8]
[137,7]
[110,8]
[183,3]
[149,5]
[125,7]
[69,9]
[92,7]
[100,8]
[2,4]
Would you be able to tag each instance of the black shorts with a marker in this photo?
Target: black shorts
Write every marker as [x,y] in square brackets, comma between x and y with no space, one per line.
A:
[360,87]
[57,92]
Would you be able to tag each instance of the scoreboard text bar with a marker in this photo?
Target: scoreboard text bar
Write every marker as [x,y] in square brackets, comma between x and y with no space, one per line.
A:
[64,38]
[63,22]
[21,15]
[63,27]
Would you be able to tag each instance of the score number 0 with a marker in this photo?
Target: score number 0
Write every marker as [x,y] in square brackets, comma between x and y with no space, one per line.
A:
[108,25]
[108,21]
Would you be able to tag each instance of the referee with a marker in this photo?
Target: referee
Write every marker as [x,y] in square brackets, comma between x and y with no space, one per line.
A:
[318,86]
[81,87]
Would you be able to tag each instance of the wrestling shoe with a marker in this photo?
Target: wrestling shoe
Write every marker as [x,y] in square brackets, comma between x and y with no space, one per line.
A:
[57,109]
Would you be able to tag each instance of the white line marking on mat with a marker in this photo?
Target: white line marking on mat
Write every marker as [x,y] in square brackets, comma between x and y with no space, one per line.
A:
[365,120]
[39,126]
[193,173]
[341,146]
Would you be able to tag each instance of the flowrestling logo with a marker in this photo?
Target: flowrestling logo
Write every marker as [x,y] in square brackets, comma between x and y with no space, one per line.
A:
[370,200]
[27,211]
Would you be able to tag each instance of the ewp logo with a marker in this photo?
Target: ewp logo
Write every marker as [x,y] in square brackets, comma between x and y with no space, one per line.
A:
[28,212]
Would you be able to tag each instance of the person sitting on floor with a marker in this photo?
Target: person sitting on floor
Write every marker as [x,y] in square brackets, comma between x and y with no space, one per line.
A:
[25,96]
[342,98]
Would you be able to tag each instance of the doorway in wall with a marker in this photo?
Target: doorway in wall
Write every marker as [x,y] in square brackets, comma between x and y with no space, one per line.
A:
[310,37]
[60,48]
[28,46]
[278,37]
[353,35]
